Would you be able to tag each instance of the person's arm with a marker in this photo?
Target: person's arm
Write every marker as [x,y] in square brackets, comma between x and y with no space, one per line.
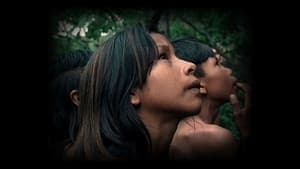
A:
[241,115]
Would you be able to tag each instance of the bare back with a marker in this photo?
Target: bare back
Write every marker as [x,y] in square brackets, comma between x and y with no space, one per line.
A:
[195,139]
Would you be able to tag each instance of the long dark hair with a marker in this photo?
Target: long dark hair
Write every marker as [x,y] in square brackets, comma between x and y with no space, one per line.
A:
[66,62]
[192,50]
[63,112]
[110,126]
[64,75]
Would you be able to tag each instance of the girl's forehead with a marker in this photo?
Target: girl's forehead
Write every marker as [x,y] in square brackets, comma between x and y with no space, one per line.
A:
[160,39]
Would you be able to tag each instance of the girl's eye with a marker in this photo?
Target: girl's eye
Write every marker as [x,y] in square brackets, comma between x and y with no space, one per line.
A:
[222,60]
[163,56]
[217,62]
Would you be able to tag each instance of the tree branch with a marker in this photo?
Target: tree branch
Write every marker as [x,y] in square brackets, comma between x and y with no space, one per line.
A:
[198,30]
[152,23]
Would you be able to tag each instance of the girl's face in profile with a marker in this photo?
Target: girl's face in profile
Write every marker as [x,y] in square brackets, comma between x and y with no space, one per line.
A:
[218,79]
[170,85]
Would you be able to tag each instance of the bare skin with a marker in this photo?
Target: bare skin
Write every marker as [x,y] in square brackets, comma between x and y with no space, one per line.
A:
[171,92]
[198,139]
[197,136]
[241,114]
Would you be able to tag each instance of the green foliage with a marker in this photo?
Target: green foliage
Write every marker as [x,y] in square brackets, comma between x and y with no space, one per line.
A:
[226,120]
[227,30]
[74,29]
[178,29]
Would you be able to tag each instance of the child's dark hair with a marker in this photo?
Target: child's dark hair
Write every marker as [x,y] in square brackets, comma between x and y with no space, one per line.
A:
[67,62]
[192,50]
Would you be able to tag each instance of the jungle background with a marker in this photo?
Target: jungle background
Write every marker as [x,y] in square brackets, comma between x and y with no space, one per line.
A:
[227,30]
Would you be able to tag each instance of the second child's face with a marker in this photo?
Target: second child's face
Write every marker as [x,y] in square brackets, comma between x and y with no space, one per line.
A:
[170,86]
[219,80]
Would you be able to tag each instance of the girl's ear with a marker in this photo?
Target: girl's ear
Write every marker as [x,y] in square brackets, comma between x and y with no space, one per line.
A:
[135,97]
[74,96]
[202,86]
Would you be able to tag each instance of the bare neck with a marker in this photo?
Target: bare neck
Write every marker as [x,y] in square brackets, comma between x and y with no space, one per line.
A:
[209,110]
[161,130]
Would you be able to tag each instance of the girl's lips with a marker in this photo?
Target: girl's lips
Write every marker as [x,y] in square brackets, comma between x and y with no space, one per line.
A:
[194,87]
[195,90]
[194,84]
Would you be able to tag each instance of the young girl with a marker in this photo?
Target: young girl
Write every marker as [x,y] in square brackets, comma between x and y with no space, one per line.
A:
[133,92]
[198,136]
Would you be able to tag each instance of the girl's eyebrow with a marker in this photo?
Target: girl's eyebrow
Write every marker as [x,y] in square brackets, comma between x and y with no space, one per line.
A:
[218,57]
[164,47]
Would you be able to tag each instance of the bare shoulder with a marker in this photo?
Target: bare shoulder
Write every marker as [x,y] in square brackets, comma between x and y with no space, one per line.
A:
[194,137]
[217,133]
[194,127]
